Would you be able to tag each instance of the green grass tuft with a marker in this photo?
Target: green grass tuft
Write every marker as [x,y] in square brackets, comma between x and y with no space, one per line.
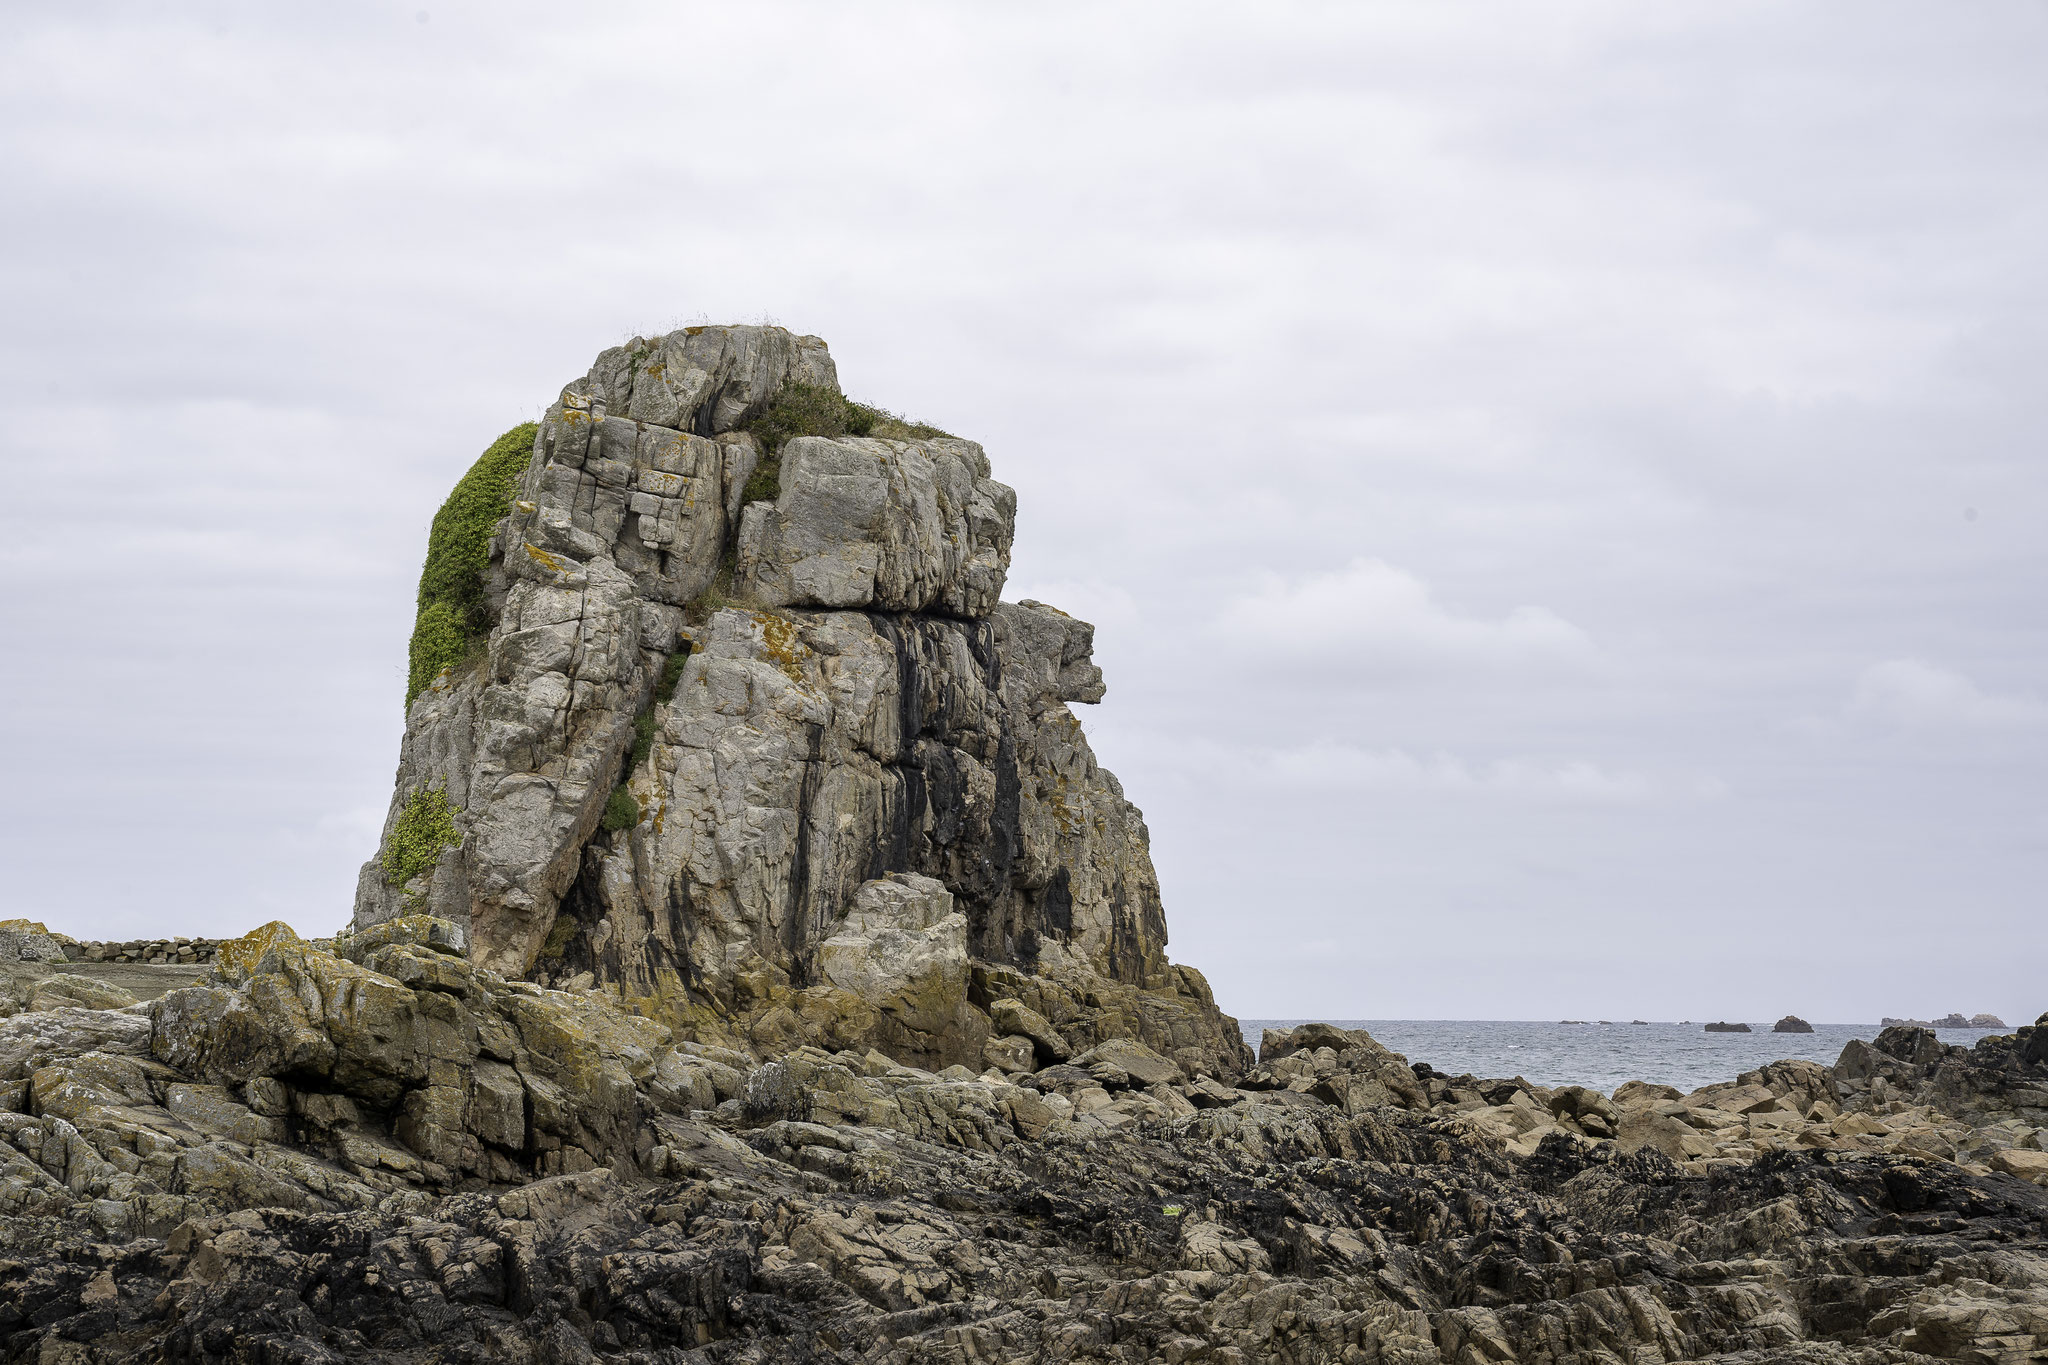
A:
[453,616]
[813,410]
[423,829]
[621,812]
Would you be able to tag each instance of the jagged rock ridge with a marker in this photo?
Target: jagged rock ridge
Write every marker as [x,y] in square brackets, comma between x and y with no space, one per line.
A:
[392,1153]
[864,811]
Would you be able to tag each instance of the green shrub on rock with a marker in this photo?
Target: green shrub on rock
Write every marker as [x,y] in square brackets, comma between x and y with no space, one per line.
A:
[423,829]
[621,812]
[453,616]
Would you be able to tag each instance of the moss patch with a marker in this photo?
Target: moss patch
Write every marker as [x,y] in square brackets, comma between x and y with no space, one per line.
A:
[453,616]
[560,935]
[423,829]
[672,673]
[643,741]
[813,410]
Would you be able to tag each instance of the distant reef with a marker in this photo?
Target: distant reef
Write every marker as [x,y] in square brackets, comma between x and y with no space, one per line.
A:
[1726,1027]
[1948,1021]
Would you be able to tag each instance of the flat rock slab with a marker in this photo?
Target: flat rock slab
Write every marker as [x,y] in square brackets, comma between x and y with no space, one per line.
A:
[143,980]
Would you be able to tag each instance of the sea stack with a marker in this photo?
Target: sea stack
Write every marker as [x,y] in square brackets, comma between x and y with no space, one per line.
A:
[1725,1027]
[727,716]
[757,967]
[1791,1023]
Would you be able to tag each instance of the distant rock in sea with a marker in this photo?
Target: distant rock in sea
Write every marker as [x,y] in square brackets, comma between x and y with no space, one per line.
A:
[1986,1021]
[1791,1023]
[1725,1027]
[1947,1021]
[1640,1023]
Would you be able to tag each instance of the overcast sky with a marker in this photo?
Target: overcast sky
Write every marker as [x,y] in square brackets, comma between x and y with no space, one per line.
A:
[1563,488]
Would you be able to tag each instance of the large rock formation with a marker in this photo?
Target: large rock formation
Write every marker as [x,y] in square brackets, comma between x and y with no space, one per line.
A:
[711,741]
[796,992]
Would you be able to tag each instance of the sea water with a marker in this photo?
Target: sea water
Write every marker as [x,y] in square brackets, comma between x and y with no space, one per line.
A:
[1602,1056]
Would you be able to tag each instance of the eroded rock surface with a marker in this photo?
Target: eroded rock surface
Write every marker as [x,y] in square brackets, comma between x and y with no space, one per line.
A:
[394,1153]
[828,694]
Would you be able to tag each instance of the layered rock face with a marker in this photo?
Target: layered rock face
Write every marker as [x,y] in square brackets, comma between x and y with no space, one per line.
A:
[844,735]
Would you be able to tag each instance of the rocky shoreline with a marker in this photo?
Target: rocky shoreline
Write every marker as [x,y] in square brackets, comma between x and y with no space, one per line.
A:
[394,1153]
[756,965]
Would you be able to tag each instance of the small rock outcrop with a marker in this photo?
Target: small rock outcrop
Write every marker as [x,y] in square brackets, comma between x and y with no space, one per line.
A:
[1726,1027]
[747,735]
[24,940]
[1791,1023]
[1947,1021]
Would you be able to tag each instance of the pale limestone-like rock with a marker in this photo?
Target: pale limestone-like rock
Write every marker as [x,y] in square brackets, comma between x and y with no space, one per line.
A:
[1010,1052]
[1016,1018]
[903,948]
[896,526]
[1140,1063]
[2024,1164]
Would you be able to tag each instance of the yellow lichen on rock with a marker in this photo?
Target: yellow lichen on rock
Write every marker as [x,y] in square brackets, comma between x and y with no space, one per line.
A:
[781,643]
[237,959]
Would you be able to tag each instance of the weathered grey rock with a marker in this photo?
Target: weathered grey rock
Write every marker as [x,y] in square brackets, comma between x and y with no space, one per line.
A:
[856,705]
[1015,1017]
[1140,1063]
[1791,1023]
[885,525]
[23,940]
[1010,1052]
